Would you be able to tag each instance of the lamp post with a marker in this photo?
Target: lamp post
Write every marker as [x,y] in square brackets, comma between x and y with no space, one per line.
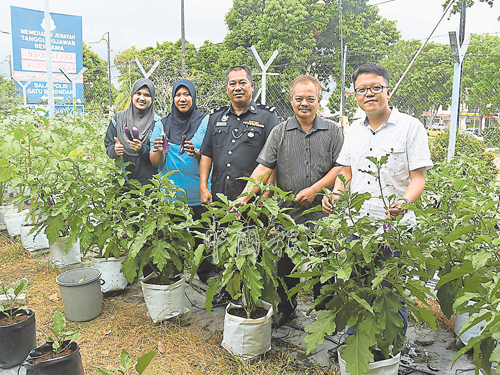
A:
[342,64]
[183,41]
[106,39]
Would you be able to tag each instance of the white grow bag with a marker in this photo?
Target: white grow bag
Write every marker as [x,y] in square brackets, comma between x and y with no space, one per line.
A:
[4,210]
[13,221]
[33,241]
[164,301]
[247,338]
[58,256]
[385,367]
[114,279]
[473,331]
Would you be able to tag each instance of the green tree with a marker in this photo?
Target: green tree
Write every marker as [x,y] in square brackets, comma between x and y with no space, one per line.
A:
[96,81]
[481,75]
[9,99]
[428,84]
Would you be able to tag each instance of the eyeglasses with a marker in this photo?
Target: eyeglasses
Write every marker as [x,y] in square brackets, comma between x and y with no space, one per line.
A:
[375,89]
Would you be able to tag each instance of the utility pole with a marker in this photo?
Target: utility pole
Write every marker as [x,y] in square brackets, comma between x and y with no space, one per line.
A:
[109,72]
[48,59]
[458,54]
[183,40]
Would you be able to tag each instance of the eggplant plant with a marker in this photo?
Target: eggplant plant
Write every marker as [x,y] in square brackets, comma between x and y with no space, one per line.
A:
[12,294]
[155,224]
[127,366]
[362,288]
[244,243]
[60,338]
[461,208]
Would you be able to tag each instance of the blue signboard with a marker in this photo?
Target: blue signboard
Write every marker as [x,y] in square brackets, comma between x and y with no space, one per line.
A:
[28,46]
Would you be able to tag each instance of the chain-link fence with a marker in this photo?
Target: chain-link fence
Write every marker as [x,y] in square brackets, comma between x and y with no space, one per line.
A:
[425,92]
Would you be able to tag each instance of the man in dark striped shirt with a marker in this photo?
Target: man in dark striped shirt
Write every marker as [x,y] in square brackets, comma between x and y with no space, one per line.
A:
[303,150]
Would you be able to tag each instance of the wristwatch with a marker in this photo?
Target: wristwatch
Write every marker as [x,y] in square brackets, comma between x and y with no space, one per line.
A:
[406,200]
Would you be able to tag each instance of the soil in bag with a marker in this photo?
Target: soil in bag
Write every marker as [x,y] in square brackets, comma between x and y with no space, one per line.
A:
[258,312]
[17,338]
[42,361]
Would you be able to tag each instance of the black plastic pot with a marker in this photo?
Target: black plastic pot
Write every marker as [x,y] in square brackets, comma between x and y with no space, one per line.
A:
[17,340]
[67,365]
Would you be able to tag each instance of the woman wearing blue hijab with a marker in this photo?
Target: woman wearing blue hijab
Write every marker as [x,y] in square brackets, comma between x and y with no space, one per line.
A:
[184,127]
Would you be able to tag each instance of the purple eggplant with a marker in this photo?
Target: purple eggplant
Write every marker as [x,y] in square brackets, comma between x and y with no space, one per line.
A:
[386,248]
[164,141]
[183,143]
[128,134]
[135,132]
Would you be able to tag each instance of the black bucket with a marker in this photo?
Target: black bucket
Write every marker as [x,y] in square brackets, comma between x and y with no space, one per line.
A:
[17,340]
[67,365]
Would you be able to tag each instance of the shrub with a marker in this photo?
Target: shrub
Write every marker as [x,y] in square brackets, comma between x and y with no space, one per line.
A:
[465,146]
[492,136]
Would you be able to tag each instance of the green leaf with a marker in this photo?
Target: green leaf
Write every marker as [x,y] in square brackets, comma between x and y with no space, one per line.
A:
[103,372]
[455,273]
[254,282]
[125,359]
[427,317]
[457,233]
[487,346]
[362,302]
[209,295]
[144,361]
[465,298]
[357,353]
[324,325]
[386,307]
[233,287]
[59,321]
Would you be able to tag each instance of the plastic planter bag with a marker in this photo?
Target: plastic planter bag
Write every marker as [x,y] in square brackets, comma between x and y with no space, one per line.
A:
[164,301]
[70,364]
[58,256]
[13,221]
[33,241]
[386,367]
[111,273]
[17,340]
[247,338]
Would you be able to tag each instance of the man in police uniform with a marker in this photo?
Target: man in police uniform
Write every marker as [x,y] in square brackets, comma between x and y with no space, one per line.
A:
[235,135]
[234,138]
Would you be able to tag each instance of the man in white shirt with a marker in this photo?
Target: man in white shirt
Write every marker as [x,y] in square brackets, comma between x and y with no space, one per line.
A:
[383,131]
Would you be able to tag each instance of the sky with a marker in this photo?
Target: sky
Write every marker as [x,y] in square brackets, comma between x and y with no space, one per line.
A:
[143,23]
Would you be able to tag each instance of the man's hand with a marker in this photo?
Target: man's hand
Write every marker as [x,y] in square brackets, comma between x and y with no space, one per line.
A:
[118,147]
[327,204]
[395,210]
[135,144]
[305,197]
[206,195]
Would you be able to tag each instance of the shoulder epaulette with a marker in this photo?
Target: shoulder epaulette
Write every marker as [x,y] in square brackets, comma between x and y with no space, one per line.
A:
[266,107]
[223,108]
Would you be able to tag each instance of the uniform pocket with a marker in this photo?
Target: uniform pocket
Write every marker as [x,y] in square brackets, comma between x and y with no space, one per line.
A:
[252,136]
[219,137]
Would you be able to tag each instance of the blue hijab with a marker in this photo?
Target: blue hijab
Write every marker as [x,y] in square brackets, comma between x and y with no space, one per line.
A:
[176,124]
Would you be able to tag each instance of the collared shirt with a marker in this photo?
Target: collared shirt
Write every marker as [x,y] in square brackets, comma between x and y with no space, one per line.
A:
[233,142]
[301,159]
[404,139]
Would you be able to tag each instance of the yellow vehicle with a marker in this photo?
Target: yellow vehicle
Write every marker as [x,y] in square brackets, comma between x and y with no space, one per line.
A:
[435,130]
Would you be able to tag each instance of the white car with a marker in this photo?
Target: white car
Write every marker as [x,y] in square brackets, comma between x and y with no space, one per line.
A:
[473,133]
